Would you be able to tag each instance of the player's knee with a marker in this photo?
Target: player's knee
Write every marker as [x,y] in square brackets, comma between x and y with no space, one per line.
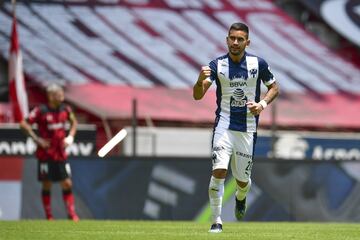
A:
[66,184]
[219,173]
[46,185]
[243,184]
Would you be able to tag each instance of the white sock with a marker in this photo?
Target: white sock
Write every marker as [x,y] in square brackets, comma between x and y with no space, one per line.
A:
[216,191]
[241,192]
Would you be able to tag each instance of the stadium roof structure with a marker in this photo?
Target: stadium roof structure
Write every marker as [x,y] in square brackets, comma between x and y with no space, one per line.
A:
[108,52]
[343,16]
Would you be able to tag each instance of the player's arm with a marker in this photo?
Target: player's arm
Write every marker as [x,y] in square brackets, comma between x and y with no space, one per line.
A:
[271,94]
[203,83]
[256,108]
[269,80]
[73,128]
[27,128]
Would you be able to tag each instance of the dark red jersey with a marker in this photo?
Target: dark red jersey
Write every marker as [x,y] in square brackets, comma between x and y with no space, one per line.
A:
[52,125]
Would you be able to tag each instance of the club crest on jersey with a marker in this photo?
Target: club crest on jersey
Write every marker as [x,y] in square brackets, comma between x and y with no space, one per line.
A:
[238,99]
[253,72]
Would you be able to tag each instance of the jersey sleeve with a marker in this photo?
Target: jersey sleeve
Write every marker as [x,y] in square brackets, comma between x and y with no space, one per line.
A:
[213,75]
[70,112]
[265,73]
[68,109]
[34,115]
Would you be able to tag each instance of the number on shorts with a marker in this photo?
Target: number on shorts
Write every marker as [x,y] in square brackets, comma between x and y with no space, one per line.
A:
[44,169]
[248,167]
[68,169]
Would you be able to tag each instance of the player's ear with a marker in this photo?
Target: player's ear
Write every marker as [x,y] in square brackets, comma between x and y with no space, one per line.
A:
[247,42]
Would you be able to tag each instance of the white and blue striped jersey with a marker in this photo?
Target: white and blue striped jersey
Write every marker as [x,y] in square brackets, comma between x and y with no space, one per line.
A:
[236,84]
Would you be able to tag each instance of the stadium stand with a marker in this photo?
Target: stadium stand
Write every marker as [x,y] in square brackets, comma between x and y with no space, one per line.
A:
[109,52]
[340,38]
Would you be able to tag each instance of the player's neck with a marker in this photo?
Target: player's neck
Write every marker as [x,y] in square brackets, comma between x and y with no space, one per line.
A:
[236,58]
[54,105]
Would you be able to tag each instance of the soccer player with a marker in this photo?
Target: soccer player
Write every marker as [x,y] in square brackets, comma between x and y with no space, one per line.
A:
[52,119]
[238,76]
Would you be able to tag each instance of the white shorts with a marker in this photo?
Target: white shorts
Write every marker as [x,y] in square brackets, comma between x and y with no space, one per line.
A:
[237,147]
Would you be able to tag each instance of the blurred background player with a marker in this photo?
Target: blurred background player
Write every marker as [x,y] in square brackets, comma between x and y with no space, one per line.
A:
[52,119]
[238,76]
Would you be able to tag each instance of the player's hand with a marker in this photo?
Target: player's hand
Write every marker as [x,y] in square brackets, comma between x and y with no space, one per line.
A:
[204,74]
[68,140]
[43,143]
[254,107]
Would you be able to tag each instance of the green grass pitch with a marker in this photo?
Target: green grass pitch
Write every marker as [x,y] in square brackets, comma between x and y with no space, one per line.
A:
[167,230]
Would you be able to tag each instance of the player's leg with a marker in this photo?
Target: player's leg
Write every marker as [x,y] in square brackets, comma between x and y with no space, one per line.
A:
[68,198]
[66,186]
[44,178]
[220,160]
[216,192]
[46,199]
[242,188]
[241,166]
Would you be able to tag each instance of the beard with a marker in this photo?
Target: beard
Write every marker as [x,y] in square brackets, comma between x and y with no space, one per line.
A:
[235,52]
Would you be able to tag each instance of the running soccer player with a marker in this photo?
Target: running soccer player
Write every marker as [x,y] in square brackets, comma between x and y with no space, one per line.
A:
[238,76]
[51,119]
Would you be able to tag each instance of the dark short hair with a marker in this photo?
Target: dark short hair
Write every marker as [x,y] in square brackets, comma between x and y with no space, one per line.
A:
[238,26]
